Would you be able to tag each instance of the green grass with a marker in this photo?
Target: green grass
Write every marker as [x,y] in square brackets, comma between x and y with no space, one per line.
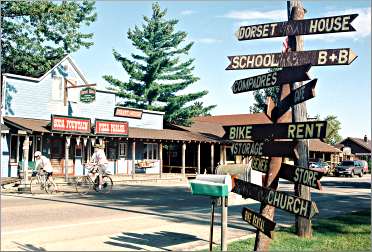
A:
[350,232]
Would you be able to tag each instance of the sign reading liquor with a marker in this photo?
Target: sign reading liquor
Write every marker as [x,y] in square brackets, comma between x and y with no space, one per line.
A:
[275,78]
[260,222]
[282,200]
[327,57]
[297,27]
[128,112]
[268,149]
[298,130]
[106,127]
[70,124]
[303,176]
[87,95]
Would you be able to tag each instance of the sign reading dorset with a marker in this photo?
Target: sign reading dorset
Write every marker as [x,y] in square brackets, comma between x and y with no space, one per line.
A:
[275,78]
[298,130]
[282,200]
[297,27]
[105,127]
[326,57]
[70,124]
[127,112]
[268,149]
[258,221]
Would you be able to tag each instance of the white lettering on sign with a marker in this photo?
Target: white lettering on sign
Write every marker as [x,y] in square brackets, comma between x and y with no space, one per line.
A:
[299,95]
[242,132]
[340,57]
[288,203]
[117,128]
[305,177]
[76,125]
[335,24]
[103,127]
[302,130]
[260,164]
[253,149]
[257,82]
[59,123]
[255,61]
[257,31]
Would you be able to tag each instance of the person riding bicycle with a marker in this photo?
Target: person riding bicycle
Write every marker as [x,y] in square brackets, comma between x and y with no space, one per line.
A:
[99,158]
[43,163]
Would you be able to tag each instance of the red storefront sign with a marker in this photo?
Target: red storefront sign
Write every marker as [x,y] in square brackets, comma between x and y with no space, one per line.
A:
[125,112]
[105,127]
[70,124]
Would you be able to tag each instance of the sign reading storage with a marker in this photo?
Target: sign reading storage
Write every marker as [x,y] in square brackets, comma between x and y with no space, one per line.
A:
[70,124]
[106,127]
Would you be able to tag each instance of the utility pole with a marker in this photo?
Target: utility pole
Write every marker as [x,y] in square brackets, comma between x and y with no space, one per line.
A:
[299,114]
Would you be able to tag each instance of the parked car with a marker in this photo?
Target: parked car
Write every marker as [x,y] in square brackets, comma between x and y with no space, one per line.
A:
[320,165]
[364,165]
[349,168]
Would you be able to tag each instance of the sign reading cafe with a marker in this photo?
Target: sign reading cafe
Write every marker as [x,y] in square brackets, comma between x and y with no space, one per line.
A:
[70,124]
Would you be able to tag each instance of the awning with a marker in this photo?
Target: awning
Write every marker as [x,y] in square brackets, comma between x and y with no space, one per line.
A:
[27,124]
[4,129]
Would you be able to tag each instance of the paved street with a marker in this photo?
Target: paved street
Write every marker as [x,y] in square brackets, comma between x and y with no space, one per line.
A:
[146,217]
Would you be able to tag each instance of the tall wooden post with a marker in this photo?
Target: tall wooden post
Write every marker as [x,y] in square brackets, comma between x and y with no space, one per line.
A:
[299,114]
[133,158]
[25,148]
[161,158]
[212,158]
[183,158]
[67,148]
[198,158]
[224,224]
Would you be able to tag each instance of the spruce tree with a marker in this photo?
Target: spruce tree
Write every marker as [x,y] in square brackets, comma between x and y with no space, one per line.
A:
[159,71]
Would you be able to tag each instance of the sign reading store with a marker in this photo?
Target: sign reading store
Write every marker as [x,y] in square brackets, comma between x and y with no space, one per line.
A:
[70,124]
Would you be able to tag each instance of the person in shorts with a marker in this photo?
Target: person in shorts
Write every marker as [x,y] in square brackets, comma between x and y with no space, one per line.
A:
[99,158]
[42,162]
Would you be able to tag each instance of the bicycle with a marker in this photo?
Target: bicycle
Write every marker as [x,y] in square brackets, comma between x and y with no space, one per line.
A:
[86,183]
[39,183]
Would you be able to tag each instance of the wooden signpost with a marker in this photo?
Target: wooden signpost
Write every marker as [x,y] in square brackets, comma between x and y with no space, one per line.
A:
[271,79]
[258,221]
[326,57]
[282,200]
[304,130]
[267,149]
[297,27]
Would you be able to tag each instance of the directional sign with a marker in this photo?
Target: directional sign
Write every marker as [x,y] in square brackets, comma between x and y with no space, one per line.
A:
[298,130]
[303,176]
[297,27]
[297,96]
[260,222]
[326,57]
[282,200]
[276,78]
[268,149]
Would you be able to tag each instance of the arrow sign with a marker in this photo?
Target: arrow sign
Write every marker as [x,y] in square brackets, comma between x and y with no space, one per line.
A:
[297,96]
[299,175]
[260,222]
[282,200]
[326,57]
[298,130]
[297,27]
[276,78]
[269,149]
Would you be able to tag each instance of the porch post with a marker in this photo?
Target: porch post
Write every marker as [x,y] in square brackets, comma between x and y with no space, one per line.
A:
[67,147]
[161,158]
[212,158]
[133,158]
[184,158]
[198,158]
[26,147]
[221,155]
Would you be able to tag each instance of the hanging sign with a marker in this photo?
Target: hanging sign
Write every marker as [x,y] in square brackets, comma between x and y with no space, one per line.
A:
[128,112]
[327,57]
[106,127]
[268,149]
[70,124]
[87,95]
[260,222]
[297,27]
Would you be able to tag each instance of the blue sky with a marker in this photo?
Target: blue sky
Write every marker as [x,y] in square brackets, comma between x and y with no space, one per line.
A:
[344,91]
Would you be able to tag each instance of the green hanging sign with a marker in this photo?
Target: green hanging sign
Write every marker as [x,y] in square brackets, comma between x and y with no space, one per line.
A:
[87,95]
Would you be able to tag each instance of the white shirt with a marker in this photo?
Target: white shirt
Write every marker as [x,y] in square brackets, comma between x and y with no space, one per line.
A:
[99,157]
[44,163]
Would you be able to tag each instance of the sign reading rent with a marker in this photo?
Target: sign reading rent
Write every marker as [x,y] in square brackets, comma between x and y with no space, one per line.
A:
[117,128]
[70,124]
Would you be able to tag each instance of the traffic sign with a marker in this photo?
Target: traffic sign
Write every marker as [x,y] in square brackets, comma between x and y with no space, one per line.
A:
[268,149]
[282,200]
[297,130]
[300,175]
[275,78]
[326,57]
[258,221]
[297,27]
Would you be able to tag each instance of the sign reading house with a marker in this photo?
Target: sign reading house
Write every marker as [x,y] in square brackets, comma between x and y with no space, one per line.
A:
[106,127]
[87,95]
[70,124]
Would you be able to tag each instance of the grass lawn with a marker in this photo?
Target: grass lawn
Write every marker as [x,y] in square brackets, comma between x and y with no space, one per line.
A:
[349,232]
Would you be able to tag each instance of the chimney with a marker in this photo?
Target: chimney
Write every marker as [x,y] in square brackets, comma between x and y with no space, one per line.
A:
[365,138]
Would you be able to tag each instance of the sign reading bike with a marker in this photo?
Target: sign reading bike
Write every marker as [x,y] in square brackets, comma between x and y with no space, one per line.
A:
[297,27]
[327,57]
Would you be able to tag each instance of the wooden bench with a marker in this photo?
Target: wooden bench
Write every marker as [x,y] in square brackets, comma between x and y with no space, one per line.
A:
[9,180]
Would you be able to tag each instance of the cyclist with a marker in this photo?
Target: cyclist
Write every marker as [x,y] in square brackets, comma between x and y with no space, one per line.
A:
[43,163]
[99,158]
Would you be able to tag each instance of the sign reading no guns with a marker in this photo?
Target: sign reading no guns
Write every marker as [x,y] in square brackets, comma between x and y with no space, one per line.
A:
[326,57]
[297,27]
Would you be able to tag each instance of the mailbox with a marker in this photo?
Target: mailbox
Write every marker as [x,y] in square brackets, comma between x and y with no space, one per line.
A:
[211,185]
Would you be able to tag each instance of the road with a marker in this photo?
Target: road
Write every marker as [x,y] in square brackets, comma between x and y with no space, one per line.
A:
[147,217]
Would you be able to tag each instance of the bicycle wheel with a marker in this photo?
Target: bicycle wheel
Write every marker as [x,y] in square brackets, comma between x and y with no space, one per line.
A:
[49,187]
[36,186]
[83,185]
[106,184]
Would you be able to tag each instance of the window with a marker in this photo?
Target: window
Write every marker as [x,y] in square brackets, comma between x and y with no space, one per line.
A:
[123,149]
[57,90]
[112,150]
[150,151]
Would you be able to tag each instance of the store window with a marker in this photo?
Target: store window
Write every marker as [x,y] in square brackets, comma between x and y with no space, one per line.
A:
[229,156]
[123,150]
[13,148]
[150,151]
[112,150]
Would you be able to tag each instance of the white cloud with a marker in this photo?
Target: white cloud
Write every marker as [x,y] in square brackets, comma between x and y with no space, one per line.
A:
[207,40]
[251,14]
[187,12]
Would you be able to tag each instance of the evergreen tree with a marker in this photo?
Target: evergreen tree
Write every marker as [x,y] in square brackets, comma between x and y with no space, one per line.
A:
[37,34]
[159,72]
[333,127]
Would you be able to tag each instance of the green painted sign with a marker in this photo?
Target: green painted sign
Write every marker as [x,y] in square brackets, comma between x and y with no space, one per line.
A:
[87,95]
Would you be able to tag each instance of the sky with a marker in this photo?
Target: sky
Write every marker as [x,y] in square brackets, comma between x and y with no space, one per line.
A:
[343,91]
